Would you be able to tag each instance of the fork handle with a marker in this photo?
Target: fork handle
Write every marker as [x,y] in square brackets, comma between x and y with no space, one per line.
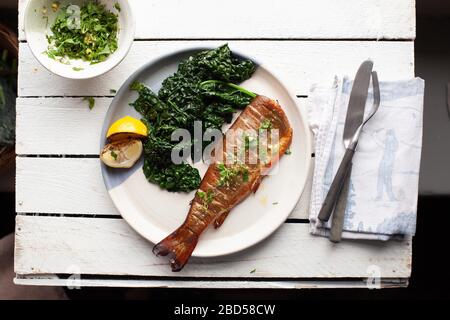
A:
[336,186]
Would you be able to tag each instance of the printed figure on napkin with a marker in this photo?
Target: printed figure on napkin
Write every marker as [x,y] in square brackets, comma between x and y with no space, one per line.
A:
[383,191]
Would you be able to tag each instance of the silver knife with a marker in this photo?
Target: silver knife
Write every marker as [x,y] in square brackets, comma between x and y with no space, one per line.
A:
[354,118]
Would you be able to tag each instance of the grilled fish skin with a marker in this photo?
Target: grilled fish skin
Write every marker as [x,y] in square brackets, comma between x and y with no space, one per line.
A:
[226,183]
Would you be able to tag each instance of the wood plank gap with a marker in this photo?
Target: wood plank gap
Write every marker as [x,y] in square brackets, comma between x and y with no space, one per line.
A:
[69,215]
[63,97]
[294,220]
[276,39]
[64,276]
[265,39]
[77,156]
[110,216]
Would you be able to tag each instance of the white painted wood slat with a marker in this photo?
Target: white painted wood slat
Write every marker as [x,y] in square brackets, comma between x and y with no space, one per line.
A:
[298,63]
[75,186]
[61,185]
[59,245]
[59,125]
[64,125]
[319,19]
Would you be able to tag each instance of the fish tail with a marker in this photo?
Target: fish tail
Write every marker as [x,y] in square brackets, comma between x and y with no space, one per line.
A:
[179,246]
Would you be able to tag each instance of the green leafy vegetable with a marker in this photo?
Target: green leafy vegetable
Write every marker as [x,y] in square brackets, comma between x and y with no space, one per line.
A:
[201,89]
[77,68]
[91,102]
[174,177]
[91,38]
[117,6]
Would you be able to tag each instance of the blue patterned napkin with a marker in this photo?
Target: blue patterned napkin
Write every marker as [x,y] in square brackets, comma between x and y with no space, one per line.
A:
[382,198]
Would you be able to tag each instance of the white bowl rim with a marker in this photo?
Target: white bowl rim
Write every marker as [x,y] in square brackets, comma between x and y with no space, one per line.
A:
[75,74]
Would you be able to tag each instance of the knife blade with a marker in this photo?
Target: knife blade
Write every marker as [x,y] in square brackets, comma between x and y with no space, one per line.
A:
[354,118]
[357,102]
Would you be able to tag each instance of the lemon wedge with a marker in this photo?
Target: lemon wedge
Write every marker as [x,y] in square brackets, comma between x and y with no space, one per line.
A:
[126,128]
[122,153]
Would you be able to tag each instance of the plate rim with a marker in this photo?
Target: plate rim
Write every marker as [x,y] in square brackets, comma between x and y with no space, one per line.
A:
[302,117]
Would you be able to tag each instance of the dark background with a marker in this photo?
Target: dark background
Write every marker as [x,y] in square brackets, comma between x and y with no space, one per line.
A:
[429,278]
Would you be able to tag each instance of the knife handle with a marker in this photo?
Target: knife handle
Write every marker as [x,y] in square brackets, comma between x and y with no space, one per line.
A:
[336,186]
[337,220]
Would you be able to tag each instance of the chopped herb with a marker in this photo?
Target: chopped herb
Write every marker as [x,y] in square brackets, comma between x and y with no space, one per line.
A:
[207,197]
[92,37]
[112,91]
[228,174]
[253,271]
[114,155]
[77,68]
[265,125]
[55,6]
[91,101]
[288,151]
[117,6]
[245,175]
[274,203]
[249,142]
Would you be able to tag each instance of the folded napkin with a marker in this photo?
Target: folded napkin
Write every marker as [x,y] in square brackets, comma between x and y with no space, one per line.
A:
[383,191]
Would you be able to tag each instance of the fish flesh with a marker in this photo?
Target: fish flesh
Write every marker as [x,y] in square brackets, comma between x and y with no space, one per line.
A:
[236,170]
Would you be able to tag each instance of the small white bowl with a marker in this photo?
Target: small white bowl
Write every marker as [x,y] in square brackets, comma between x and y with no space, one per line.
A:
[37,27]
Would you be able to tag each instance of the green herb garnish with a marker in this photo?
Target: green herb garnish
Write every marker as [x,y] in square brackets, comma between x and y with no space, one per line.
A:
[112,91]
[114,155]
[228,174]
[288,151]
[253,271]
[206,197]
[249,142]
[274,203]
[77,68]
[91,101]
[117,6]
[265,125]
[202,89]
[91,38]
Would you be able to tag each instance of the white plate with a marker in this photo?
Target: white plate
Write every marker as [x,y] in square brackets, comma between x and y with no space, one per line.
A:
[155,213]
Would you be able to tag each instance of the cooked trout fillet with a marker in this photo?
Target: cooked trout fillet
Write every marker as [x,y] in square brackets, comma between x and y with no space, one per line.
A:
[235,171]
